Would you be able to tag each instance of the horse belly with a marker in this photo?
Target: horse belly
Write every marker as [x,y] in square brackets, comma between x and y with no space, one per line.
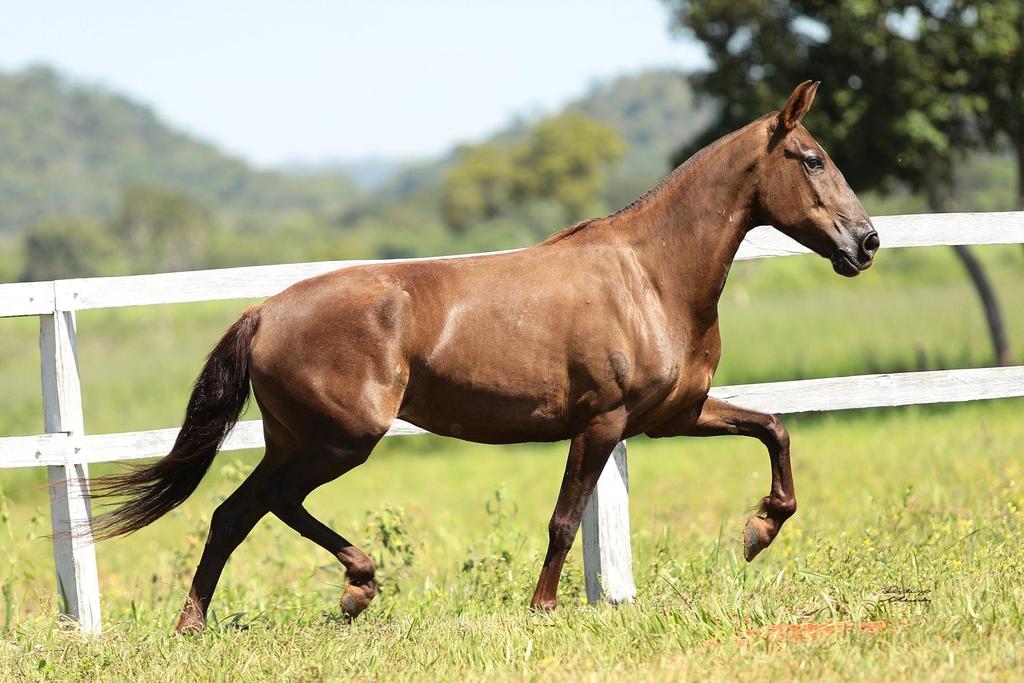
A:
[487,404]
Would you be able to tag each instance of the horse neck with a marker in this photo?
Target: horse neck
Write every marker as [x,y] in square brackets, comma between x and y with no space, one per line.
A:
[686,232]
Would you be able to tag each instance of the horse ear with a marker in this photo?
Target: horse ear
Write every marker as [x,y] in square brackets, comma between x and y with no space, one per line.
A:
[798,104]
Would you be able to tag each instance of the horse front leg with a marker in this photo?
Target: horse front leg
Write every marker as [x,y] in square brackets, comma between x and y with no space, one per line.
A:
[588,453]
[717,418]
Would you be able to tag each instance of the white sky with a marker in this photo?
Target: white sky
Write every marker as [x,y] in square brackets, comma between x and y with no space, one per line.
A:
[280,82]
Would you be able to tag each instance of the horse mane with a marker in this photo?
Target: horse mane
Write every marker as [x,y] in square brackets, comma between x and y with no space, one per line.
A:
[568,232]
[671,178]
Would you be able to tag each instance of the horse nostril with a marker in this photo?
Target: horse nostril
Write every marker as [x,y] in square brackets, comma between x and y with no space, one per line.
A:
[871,242]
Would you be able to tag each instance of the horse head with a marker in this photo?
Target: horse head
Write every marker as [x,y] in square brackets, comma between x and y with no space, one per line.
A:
[804,195]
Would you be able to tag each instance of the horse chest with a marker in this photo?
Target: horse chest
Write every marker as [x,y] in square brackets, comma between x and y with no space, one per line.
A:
[693,381]
[696,359]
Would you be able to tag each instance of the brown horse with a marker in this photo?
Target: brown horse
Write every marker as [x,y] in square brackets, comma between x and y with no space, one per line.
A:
[607,330]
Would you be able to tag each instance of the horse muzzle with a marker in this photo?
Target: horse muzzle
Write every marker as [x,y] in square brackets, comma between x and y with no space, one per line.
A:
[850,261]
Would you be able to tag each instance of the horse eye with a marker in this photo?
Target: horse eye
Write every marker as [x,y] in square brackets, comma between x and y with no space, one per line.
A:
[814,163]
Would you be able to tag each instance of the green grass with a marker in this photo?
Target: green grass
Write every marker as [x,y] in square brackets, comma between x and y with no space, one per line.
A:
[929,501]
[926,500]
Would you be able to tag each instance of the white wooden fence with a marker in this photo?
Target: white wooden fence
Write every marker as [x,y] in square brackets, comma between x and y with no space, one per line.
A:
[66,450]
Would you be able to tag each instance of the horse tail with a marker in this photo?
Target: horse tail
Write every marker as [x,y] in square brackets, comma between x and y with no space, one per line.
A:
[218,398]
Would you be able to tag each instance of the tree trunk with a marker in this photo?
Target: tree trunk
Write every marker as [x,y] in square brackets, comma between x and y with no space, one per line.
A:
[1019,147]
[941,199]
[1020,164]
[989,302]
[1020,174]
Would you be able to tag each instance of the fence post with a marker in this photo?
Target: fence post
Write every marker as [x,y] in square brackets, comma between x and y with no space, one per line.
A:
[73,551]
[607,555]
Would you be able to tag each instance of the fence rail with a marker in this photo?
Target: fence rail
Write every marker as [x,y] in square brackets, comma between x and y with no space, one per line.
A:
[800,396]
[66,450]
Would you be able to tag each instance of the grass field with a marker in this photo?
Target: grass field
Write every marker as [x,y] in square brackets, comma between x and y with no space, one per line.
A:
[907,544]
[904,561]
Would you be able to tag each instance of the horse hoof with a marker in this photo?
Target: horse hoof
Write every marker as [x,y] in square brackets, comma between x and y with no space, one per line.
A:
[756,537]
[189,626]
[355,599]
[543,605]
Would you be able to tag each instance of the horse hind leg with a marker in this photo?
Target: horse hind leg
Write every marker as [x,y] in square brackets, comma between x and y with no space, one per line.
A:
[230,524]
[294,483]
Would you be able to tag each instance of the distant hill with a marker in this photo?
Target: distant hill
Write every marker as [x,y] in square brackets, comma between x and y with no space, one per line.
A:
[656,112]
[70,148]
[370,174]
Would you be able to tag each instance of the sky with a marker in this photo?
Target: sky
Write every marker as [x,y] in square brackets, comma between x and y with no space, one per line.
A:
[308,82]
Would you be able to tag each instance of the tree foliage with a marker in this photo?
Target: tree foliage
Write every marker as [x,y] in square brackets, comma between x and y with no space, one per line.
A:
[160,229]
[983,41]
[887,109]
[902,99]
[155,230]
[656,113]
[564,159]
[67,246]
[480,186]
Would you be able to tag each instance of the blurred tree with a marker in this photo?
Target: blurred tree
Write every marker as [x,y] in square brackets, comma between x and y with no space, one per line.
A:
[655,112]
[160,229]
[480,186]
[894,104]
[982,40]
[564,159]
[62,247]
